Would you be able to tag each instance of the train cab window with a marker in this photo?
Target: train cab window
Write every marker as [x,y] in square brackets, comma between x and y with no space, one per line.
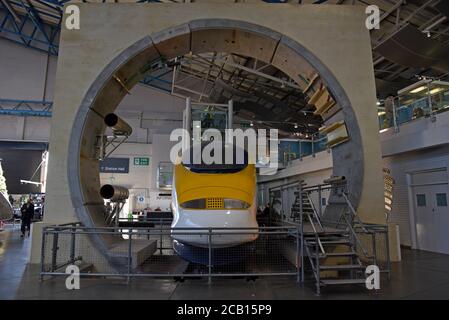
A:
[236,164]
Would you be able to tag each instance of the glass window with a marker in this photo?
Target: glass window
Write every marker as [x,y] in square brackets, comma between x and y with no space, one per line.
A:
[441,200]
[165,175]
[421,200]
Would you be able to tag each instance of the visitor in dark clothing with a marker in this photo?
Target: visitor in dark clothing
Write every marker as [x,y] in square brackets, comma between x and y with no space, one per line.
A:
[266,211]
[27,211]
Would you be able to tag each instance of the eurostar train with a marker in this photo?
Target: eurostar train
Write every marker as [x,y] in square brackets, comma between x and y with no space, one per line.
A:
[214,196]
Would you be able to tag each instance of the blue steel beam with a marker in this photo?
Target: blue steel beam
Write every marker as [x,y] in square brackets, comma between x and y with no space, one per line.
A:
[31,32]
[35,19]
[43,37]
[33,108]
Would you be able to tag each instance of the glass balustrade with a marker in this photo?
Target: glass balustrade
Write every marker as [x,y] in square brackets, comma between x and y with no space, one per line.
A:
[426,98]
[292,149]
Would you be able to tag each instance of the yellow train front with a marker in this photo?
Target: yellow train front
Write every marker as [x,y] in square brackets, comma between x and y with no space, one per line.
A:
[222,198]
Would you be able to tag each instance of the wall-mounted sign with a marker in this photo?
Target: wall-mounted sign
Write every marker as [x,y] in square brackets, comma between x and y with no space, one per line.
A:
[114,165]
[388,189]
[141,161]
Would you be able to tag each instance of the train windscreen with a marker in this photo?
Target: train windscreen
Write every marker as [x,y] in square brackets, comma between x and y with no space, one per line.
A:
[238,163]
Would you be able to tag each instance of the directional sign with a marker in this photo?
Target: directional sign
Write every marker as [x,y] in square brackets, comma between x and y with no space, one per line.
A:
[114,165]
[141,161]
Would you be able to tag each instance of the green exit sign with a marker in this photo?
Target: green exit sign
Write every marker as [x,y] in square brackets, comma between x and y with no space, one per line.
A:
[141,161]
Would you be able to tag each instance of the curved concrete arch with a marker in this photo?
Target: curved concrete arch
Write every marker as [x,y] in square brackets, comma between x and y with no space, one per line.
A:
[202,35]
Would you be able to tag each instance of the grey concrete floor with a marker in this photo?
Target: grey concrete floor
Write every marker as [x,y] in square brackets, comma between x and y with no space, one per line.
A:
[421,275]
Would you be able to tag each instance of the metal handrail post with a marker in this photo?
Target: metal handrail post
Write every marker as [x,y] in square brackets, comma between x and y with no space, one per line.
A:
[130,258]
[282,205]
[387,243]
[300,202]
[43,253]
[160,239]
[320,209]
[429,97]
[210,256]
[313,146]
[317,254]
[395,122]
[298,274]
[72,245]
[301,221]
[302,252]
[54,252]
[373,240]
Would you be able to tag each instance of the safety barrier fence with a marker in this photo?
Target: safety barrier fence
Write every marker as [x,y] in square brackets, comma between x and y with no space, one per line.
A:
[149,252]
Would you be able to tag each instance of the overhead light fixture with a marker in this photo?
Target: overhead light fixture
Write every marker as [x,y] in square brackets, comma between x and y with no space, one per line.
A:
[378,103]
[436,90]
[296,126]
[381,113]
[419,89]
[251,124]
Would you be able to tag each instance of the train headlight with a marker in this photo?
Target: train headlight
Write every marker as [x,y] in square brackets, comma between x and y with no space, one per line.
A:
[235,204]
[215,204]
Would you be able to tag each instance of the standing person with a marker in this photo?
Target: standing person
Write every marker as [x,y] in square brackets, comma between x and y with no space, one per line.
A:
[27,211]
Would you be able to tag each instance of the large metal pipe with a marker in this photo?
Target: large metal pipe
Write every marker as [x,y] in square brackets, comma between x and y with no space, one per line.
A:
[117,124]
[335,180]
[114,193]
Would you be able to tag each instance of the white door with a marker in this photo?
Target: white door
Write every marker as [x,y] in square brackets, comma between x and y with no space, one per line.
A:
[432,216]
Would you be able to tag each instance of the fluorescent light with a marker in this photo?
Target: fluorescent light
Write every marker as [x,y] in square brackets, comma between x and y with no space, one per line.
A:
[419,89]
[378,103]
[436,90]
[381,113]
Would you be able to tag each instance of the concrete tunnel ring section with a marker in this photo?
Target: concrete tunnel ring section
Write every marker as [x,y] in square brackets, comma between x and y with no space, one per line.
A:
[197,36]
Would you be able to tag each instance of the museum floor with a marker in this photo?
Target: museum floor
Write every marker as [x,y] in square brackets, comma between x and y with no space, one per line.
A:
[421,275]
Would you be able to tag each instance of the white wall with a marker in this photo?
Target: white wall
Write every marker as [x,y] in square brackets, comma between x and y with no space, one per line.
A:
[24,128]
[399,166]
[141,180]
[418,134]
[138,180]
[161,153]
[24,74]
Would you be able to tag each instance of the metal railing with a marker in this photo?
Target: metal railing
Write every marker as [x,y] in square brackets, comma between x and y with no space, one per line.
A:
[405,107]
[144,252]
[297,149]
[371,240]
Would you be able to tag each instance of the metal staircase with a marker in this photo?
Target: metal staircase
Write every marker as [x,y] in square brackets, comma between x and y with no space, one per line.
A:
[331,252]
[330,237]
